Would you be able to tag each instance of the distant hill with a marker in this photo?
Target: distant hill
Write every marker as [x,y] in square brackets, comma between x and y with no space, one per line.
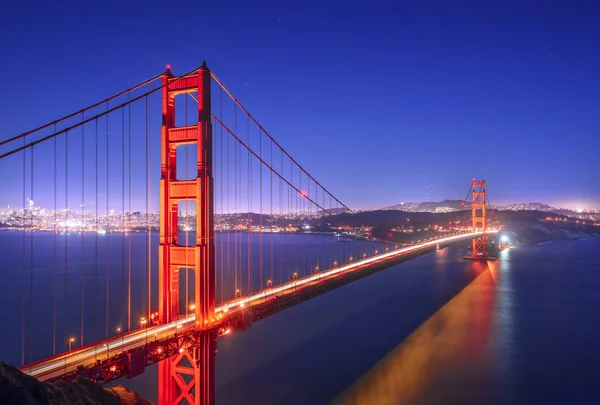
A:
[429,206]
[533,206]
[458,205]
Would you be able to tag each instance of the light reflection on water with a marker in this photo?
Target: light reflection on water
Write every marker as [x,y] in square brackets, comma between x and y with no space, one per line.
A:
[450,347]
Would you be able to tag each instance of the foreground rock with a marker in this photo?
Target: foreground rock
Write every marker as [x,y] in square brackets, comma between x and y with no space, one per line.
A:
[20,389]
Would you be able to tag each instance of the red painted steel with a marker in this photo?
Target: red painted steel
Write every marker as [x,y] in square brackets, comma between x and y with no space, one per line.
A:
[479,215]
[188,376]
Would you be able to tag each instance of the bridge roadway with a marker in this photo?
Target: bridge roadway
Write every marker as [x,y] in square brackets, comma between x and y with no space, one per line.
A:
[88,355]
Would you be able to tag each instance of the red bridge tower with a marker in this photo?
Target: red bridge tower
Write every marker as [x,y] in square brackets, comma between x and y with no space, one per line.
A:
[479,215]
[188,376]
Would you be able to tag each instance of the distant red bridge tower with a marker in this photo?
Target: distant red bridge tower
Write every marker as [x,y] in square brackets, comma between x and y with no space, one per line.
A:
[189,376]
[479,215]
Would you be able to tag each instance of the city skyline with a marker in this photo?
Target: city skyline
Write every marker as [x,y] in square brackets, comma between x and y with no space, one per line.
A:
[409,206]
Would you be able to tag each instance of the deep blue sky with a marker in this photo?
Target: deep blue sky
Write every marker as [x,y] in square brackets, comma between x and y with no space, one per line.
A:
[377,99]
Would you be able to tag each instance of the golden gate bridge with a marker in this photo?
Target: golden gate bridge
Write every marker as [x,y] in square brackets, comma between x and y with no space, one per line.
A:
[201,281]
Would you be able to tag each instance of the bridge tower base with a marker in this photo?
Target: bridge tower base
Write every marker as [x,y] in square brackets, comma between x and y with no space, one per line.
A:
[189,377]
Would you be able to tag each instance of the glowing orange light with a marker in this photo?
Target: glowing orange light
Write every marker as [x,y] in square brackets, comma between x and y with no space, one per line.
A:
[181,350]
[113,369]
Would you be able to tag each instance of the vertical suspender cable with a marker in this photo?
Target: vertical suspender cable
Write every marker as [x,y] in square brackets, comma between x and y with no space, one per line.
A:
[235,200]
[23,259]
[66,235]
[292,193]
[228,283]
[129,216]
[239,216]
[31,264]
[271,216]
[221,270]
[301,213]
[148,244]
[122,309]
[96,227]
[107,229]
[54,275]
[281,218]
[317,219]
[260,186]
[249,247]
[82,225]
[331,245]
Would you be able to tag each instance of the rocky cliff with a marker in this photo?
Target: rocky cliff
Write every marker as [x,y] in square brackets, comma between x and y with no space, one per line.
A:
[21,389]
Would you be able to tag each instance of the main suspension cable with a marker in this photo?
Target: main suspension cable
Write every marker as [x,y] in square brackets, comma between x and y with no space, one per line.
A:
[99,115]
[56,121]
[263,162]
[235,100]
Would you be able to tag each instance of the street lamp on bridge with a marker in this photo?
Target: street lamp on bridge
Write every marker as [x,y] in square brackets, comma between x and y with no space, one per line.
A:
[119,334]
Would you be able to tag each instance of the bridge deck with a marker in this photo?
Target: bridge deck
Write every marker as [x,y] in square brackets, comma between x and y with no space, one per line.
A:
[88,356]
